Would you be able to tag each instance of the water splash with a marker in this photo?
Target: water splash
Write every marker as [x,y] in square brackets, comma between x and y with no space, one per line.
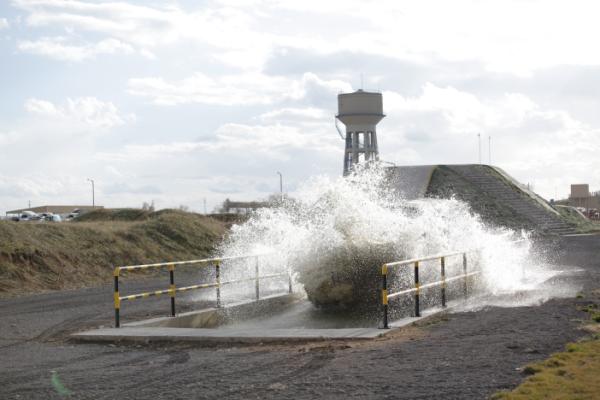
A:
[336,233]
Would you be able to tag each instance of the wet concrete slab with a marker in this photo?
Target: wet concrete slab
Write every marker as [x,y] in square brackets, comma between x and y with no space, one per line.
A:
[139,332]
[146,334]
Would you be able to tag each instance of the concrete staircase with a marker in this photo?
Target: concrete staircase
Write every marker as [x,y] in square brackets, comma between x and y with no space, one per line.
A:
[528,206]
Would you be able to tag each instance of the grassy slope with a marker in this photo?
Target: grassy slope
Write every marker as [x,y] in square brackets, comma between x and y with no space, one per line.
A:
[572,374]
[447,183]
[582,225]
[42,256]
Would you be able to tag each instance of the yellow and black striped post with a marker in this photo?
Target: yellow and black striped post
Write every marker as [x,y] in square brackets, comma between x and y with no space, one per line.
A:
[384,296]
[417,290]
[218,278]
[465,288]
[117,298]
[443,267]
[172,288]
[257,279]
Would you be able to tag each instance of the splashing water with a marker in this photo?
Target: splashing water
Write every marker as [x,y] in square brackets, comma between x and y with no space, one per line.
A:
[336,234]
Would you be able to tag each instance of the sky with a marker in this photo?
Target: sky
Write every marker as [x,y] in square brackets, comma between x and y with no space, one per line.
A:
[178,102]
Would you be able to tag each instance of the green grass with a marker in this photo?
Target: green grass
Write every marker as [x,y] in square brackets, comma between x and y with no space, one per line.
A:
[123,214]
[49,256]
[581,224]
[573,374]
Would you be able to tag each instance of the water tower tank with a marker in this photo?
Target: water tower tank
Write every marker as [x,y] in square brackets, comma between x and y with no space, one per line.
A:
[360,112]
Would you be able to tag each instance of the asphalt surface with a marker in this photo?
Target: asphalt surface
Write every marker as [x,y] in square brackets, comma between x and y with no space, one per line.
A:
[457,356]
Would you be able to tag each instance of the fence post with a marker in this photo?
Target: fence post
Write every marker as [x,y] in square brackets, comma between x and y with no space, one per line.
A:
[218,277]
[522,272]
[384,296]
[117,298]
[257,284]
[443,267]
[418,289]
[172,288]
[465,288]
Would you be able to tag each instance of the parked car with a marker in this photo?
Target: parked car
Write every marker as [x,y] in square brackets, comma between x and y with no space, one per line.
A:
[28,216]
[74,214]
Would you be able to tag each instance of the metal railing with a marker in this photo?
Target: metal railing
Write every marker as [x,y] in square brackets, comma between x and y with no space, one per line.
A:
[385,296]
[172,290]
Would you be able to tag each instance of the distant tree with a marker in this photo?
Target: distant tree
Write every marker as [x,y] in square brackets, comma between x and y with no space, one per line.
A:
[184,208]
[148,206]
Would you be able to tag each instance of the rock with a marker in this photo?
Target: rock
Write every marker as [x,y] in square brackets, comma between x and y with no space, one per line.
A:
[277,386]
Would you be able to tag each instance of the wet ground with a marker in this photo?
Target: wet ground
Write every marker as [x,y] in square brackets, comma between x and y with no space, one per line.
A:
[461,355]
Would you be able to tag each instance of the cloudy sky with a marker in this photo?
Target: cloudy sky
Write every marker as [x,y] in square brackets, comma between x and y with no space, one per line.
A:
[178,101]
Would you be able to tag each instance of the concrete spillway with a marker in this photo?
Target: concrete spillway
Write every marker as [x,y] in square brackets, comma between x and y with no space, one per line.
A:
[491,193]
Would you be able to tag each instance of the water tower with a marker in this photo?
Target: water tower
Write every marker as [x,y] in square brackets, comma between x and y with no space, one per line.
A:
[360,112]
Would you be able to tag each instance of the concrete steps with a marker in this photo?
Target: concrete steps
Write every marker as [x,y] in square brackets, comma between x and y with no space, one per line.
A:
[491,183]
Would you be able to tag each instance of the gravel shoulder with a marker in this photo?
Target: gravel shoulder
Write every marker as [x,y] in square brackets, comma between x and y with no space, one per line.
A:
[460,355]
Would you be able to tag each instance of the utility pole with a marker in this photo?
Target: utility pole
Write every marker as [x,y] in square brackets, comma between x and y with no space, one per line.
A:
[93,193]
[490,149]
[280,186]
[479,144]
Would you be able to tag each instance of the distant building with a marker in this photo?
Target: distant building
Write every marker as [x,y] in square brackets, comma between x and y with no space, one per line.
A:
[580,191]
[582,197]
[54,209]
[239,207]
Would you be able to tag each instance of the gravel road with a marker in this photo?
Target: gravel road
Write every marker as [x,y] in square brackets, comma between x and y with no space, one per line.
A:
[456,356]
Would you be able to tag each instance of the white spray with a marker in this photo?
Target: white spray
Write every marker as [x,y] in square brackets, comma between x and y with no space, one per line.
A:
[335,234]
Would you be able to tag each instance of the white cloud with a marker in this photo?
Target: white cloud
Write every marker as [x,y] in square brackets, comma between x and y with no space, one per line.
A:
[274,141]
[8,138]
[241,89]
[304,114]
[440,126]
[84,110]
[231,54]
[59,48]
[4,23]
[32,186]
[138,24]
[145,27]
[244,34]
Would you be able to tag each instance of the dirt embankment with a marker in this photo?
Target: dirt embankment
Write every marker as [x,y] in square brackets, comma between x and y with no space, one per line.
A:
[51,256]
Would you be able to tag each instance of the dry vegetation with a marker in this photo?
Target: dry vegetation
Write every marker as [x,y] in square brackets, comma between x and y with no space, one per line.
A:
[50,256]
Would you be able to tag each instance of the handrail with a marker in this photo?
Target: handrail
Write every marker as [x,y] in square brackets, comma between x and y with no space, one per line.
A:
[437,256]
[199,261]
[385,296]
[172,290]
[428,258]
